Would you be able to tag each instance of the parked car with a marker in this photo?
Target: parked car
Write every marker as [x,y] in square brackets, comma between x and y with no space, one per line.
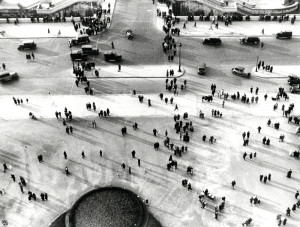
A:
[250,40]
[6,75]
[202,69]
[293,79]
[89,50]
[112,56]
[129,34]
[27,45]
[80,39]
[212,41]
[284,35]
[78,55]
[295,89]
[240,71]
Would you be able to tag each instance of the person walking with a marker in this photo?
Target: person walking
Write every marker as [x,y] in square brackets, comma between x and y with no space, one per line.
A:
[67,171]
[82,154]
[129,170]
[289,174]
[263,31]
[139,162]
[65,155]
[119,68]
[133,153]
[100,152]
[233,183]
[244,156]
[112,45]
[14,178]
[176,107]
[259,128]
[5,167]
[3,66]
[32,54]
[296,195]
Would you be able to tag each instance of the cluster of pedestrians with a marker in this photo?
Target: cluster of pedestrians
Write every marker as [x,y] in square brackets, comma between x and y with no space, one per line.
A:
[29,56]
[216,113]
[264,179]
[261,64]
[18,101]
[251,156]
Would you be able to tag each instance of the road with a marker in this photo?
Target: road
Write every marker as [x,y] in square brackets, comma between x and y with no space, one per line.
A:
[52,64]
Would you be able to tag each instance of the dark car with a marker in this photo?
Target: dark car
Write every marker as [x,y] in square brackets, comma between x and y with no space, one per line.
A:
[212,41]
[27,45]
[293,79]
[202,69]
[250,40]
[89,50]
[80,39]
[6,75]
[240,71]
[295,88]
[78,55]
[112,56]
[284,35]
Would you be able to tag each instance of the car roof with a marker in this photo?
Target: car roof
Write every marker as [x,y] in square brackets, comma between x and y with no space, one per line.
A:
[202,65]
[87,46]
[4,73]
[76,52]
[240,68]
[109,52]
[83,35]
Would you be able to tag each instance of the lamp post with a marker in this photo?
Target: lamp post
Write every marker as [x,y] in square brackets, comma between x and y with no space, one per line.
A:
[256,64]
[179,63]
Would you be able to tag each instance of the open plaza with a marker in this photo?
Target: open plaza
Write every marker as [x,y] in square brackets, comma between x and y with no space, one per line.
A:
[219,149]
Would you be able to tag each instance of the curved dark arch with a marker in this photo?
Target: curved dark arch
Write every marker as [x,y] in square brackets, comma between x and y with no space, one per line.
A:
[141,216]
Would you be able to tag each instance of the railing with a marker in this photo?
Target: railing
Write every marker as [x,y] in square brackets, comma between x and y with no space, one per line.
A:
[219,6]
[32,5]
[256,11]
[61,6]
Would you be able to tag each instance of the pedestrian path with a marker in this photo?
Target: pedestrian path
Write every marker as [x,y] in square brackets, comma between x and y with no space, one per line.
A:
[44,107]
[135,71]
[236,29]
[40,30]
[279,71]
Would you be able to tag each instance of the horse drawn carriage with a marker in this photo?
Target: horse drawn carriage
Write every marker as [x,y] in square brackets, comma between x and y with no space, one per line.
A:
[208,98]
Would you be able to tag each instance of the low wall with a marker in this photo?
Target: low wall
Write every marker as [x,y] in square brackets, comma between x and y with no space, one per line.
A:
[252,18]
[255,11]
[28,20]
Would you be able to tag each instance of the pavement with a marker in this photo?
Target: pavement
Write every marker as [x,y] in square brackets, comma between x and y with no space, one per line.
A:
[237,29]
[39,30]
[279,71]
[140,71]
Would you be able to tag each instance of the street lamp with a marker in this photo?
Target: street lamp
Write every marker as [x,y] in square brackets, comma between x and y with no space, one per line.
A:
[179,65]
[256,64]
